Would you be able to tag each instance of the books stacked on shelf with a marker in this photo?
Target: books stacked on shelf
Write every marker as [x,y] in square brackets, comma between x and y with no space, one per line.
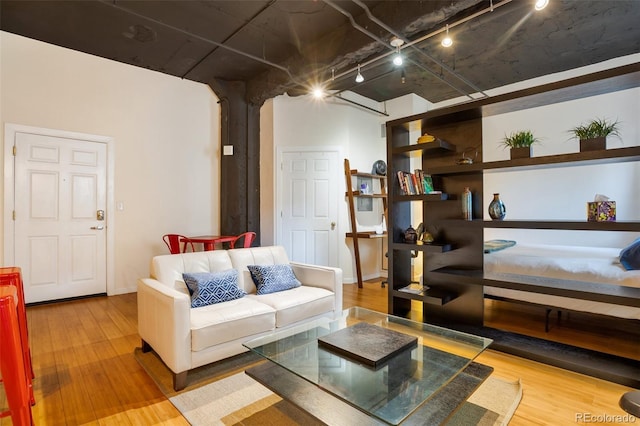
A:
[414,289]
[417,183]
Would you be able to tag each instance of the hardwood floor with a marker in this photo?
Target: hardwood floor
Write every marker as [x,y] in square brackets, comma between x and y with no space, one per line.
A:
[86,373]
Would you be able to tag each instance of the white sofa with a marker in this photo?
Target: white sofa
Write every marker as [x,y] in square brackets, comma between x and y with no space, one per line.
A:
[186,338]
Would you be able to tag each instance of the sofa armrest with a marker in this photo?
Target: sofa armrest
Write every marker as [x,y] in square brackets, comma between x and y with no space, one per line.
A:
[164,322]
[325,277]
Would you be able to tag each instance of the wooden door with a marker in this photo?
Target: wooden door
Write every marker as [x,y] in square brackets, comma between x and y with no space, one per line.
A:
[60,208]
[309,206]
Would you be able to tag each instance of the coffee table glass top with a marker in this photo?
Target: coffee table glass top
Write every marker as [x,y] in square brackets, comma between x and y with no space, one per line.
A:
[391,391]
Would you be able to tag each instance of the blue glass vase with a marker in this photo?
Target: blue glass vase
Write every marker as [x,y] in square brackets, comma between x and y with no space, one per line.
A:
[497,210]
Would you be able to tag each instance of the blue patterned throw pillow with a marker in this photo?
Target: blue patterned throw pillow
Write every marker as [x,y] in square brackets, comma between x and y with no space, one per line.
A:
[207,288]
[273,278]
[630,256]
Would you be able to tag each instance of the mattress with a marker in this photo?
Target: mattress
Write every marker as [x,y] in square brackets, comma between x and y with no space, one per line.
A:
[584,264]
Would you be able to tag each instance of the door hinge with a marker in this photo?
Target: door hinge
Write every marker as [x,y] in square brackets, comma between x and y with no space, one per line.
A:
[15,151]
[14,215]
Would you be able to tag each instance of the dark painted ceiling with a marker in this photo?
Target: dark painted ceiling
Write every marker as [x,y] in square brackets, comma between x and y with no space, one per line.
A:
[279,46]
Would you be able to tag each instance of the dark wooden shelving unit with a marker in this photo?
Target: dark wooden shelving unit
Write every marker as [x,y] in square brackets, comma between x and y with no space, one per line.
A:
[618,155]
[425,197]
[427,247]
[436,146]
[459,270]
[565,225]
[432,296]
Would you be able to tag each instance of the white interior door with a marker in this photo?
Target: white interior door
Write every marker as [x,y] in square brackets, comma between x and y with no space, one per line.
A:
[60,207]
[309,206]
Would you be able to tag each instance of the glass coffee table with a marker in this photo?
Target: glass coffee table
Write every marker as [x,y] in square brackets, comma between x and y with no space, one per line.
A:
[368,367]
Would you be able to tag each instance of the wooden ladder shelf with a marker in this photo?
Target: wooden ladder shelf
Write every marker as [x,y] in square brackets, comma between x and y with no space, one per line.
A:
[351,196]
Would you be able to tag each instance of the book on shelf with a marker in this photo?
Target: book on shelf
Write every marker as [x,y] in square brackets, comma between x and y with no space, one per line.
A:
[417,183]
[414,289]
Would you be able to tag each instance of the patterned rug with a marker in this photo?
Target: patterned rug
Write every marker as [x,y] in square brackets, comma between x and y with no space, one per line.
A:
[221,394]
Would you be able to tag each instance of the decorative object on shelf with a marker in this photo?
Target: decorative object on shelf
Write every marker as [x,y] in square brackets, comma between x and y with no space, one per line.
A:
[601,209]
[497,209]
[426,138]
[410,235]
[497,245]
[465,159]
[426,238]
[364,188]
[520,143]
[423,237]
[414,288]
[417,183]
[593,135]
[467,212]
[379,168]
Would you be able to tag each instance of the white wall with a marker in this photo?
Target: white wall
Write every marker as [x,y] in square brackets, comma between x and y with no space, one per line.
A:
[561,193]
[304,121]
[166,133]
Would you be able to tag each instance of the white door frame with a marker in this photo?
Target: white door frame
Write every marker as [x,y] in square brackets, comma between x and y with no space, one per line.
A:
[280,151]
[10,131]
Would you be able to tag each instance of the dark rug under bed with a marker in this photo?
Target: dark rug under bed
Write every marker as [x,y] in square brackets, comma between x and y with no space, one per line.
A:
[608,367]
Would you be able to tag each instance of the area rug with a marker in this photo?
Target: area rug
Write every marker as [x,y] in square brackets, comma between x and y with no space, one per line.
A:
[222,394]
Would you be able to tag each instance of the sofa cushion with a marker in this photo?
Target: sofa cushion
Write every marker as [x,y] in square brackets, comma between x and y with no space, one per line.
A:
[228,321]
[168,269]
[240,258]
[273,278]
[207,288]
[297,304]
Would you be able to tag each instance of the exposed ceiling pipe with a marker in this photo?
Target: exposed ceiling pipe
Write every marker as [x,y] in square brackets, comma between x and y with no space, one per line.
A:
[416,49]
[204,39]
[236,31]
[382,42]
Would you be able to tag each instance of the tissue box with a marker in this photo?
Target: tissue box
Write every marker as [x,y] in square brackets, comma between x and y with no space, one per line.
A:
[601,211]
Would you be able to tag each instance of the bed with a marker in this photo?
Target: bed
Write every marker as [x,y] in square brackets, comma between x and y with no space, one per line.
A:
[573,264]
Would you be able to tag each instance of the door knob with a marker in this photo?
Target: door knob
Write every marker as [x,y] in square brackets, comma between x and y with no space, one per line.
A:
[333,226]
[98,228]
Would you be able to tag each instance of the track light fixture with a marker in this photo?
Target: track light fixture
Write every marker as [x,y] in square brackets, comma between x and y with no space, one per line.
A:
[397,58]
[318,93]
[359,77]
[541,4]
[403,77]
[447,41]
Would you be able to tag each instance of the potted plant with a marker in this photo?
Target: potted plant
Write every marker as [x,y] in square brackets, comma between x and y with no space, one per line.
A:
[520,143]
[593,135]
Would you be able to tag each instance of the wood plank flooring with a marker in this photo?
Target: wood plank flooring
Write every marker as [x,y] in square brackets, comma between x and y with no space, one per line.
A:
[86,373]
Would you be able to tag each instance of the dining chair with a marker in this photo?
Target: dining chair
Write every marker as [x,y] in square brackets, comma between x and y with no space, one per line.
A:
[248,239]
[173,243]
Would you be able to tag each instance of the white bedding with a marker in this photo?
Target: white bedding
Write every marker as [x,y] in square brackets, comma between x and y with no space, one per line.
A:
[586,264]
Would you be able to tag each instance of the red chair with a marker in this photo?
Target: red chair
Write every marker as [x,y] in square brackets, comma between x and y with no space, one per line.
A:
[173,243]
[248,239]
